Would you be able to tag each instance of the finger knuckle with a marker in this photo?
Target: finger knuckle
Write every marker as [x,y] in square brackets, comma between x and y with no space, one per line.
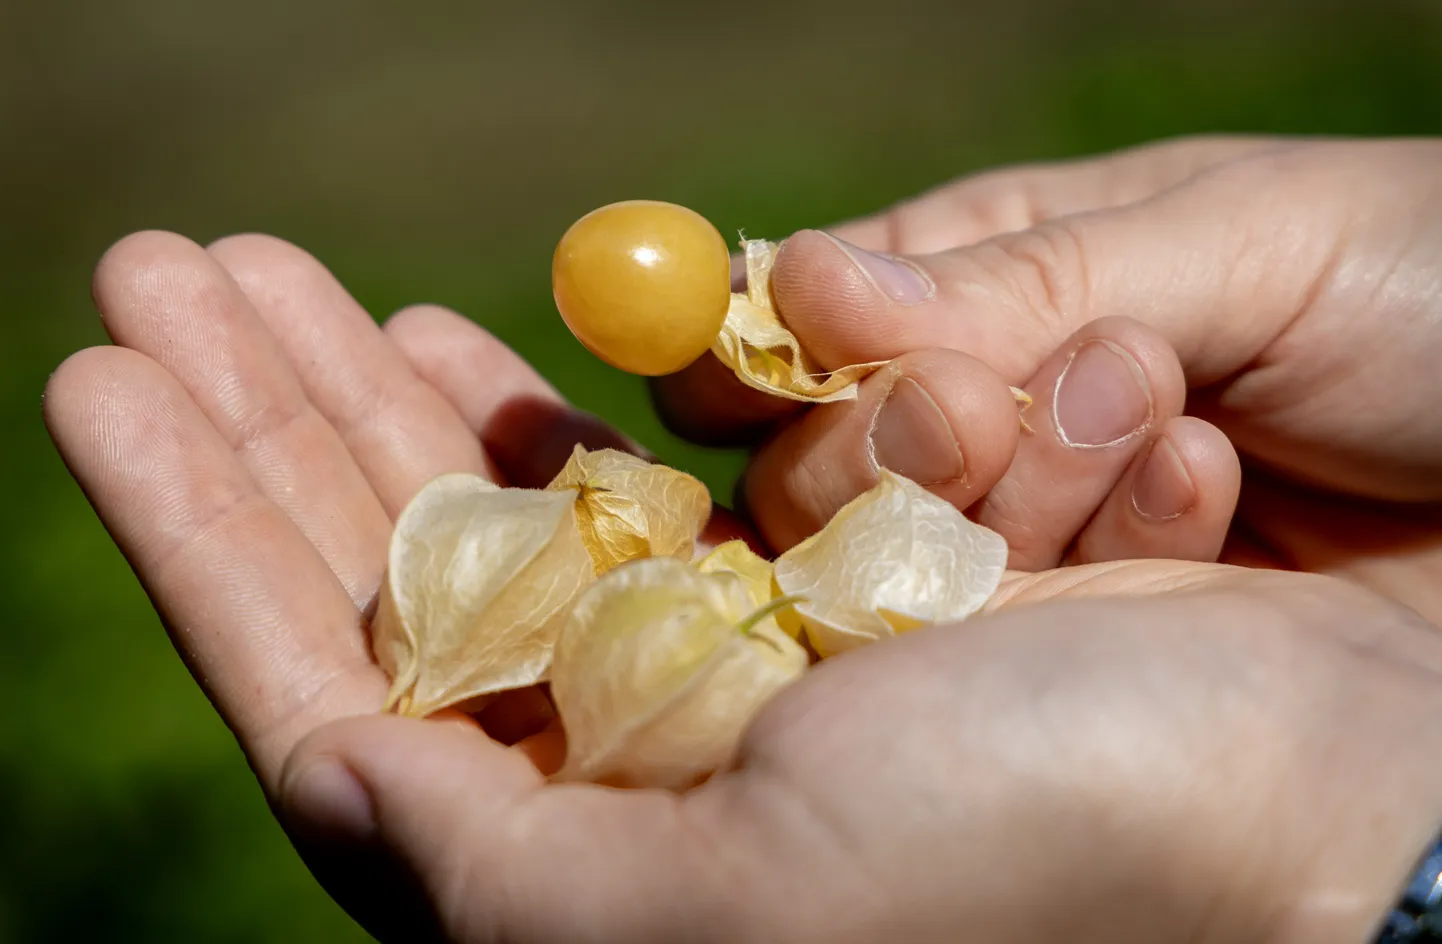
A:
[1031,546]
[1046,270]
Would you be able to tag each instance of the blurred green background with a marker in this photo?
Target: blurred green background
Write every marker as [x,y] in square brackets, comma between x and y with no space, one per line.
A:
[435,152]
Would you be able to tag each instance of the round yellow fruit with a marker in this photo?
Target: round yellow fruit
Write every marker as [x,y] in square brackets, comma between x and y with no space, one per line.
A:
[643,285]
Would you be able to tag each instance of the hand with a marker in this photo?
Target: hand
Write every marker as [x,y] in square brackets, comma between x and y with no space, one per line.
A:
[1299,282]
[251,434]
[248,441]
[1200,754]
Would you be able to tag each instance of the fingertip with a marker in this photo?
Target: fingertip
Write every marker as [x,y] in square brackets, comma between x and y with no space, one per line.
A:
[92,391]
[940,418]
[68,384]
[323,799]
[141,269]
[424,319]
[827,299]
[1156,360]
[1175,501]
[1192,449]
[263,246]
[439,341]
[382,809]
[1164,488]
[947,402]
[394,757]
[137,251]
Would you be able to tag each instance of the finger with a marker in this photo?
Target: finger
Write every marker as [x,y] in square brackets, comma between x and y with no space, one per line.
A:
[990,203]
[706,404]
[527,428]
[252,607]
[1175,500]
[1218,272]
[401,432]
[514,715]
[162,295]
[499,855]
[939,418]
[1095,404]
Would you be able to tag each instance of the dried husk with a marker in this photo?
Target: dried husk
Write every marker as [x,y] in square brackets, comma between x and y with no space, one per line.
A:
[736,557]
[895,558]
[758,574]
[479,581]
[628,508]
[659,671]
[763,352]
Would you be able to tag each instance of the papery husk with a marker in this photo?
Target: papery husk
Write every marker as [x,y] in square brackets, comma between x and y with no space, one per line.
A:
[758,574]
[660,670]
[628,508]
[893,559]
[479,581]
[736,557]
[762,351]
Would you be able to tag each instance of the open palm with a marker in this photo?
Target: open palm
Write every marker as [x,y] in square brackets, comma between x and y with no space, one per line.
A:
[248,441]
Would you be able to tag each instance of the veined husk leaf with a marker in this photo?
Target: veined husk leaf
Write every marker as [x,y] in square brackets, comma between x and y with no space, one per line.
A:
[895,558]
[479,581]
[660,670]
[627,507]
[763,352]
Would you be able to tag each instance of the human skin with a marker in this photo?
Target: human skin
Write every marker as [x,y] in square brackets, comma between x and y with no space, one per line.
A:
[1297,281]
[1117,751]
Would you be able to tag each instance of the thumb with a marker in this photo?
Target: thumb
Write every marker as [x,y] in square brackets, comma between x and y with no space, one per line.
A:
[1219,265]
[428,829]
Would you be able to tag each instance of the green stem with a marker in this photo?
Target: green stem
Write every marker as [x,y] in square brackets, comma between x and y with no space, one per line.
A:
[751,621]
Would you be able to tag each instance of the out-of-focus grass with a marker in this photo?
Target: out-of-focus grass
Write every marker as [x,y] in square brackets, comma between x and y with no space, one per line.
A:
[437,157]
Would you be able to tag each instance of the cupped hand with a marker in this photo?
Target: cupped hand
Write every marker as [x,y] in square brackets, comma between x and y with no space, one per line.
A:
[1299,283]
[1146,769]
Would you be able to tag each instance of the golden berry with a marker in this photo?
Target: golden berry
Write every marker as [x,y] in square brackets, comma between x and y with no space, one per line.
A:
[644,285]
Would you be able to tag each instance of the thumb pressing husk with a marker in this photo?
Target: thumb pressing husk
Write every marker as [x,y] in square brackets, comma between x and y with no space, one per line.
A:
[763,353]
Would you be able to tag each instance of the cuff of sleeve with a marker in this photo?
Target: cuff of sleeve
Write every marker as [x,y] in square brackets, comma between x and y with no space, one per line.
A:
[1417,917]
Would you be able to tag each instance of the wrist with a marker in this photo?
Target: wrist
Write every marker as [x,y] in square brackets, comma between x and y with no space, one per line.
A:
[1375,843]
[1354,801]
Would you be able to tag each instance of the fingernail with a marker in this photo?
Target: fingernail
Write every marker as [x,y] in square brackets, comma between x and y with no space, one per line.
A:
[1101,397]
[897,279]
[1163,489]
[327,800]
[912,438]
